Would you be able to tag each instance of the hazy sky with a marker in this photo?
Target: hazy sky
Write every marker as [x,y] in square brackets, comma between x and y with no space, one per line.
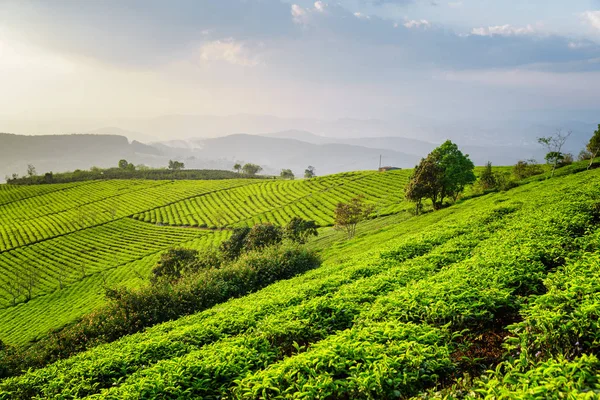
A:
[84,60]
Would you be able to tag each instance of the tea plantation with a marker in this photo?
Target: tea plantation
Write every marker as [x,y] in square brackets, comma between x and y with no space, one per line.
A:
[495,296]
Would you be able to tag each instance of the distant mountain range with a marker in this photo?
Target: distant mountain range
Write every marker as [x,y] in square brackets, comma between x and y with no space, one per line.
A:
[294,149]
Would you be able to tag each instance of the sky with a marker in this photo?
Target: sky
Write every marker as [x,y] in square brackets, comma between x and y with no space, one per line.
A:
[84,62]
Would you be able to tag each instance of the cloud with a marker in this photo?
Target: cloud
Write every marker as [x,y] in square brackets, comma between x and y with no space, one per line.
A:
[592,18]
[503,30]
[142,33]
[423,23]
[228,51]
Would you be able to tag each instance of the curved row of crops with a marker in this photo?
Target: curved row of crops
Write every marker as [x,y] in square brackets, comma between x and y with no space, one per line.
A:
[279,201]
[409,309]
[89,204]
[12,193]
[58,307]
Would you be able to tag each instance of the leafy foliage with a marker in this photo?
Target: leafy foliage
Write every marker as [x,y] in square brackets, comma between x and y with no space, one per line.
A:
[172,264]
[299,230]
[251,169]
[348,215]
[287,174]
[444,173]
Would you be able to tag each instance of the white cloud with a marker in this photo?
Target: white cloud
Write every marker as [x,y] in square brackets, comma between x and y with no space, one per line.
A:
[304,16]
[228,51]
[503,30]
[422,23]
[361,15]
[592,18]
[320,6]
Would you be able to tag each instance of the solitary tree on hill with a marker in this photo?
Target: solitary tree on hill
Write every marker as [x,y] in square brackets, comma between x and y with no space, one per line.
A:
[554,145]
[237,167]
[593,146]
[309,172]
[31,170]
[348,215]
[444,173]
[287,174]
[251,169]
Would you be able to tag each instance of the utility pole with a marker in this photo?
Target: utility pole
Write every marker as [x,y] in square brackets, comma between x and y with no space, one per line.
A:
[379,163]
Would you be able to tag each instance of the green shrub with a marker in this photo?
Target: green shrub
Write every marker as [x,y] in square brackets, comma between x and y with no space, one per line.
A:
[172,263]
[263,235]
[233,247]
[130,311]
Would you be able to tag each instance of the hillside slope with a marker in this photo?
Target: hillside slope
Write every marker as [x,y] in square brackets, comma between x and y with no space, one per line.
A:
[407,307]
[73,240]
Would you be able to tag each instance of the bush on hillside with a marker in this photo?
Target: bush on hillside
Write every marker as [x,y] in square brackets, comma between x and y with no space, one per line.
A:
[299,230]
[233,247]
[172,264]
[263,235]
[132,310]
[525,169]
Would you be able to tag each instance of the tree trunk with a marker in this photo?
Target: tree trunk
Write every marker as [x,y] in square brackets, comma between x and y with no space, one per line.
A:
[592,159]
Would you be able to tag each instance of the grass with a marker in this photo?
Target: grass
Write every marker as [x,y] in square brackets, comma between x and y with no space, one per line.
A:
[401,310]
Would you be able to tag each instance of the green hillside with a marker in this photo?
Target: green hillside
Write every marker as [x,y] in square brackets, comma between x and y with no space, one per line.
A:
[508,281]
[79,238]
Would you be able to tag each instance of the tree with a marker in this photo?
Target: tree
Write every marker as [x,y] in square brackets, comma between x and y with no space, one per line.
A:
[29,280]
[444,173]
[176,165]
[309,172]
[554,145]
[172,264]
[263,235]
[31,170]
[487,179]
[424,182]
[593,146]
[48,177]
[525,169]
[348,215]
[237,167]
[232,247]
[123,164]
[584,155]
[287,174]
[300,230]
[251,169]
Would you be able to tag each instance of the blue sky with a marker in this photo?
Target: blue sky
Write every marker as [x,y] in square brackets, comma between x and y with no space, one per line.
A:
[108,59]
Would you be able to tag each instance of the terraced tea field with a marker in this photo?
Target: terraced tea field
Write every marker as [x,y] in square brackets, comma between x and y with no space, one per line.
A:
[61,245]
[403,310]
[279,201]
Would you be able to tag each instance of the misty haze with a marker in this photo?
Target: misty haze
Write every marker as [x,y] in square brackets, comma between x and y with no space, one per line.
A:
[268,199]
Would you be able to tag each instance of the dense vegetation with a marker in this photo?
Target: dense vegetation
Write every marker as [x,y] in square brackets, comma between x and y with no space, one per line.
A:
[66,242]
[494,296]
[398,311]
[124,173]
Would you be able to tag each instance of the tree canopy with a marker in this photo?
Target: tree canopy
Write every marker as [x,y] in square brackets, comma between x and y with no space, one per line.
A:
[554,145]
[444,173]
[593,146]
[309,172]
[348,215]
[251,169]
[286,174]
[176,165]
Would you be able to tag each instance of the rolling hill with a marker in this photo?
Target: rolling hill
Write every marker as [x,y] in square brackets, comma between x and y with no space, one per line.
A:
[406,308]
